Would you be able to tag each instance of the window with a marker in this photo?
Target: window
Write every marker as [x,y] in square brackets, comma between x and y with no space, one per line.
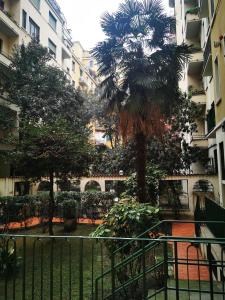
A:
[1,45]
[52,48]
[91,64]
[36,3]
[52,21]
[217,81]
[34,30]
[215,161]
[2,4]
[222,160]
[224,45]
[212,7]
[81,73]
[24,19]
[73,66]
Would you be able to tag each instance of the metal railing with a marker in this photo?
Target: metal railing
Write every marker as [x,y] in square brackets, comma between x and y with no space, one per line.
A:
[68,267]
[207,211]
[207,53]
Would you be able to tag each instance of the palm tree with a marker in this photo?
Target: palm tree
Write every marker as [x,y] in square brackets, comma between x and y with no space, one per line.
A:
[141,69]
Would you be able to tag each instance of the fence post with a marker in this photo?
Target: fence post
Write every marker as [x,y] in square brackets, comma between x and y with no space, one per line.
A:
[176,270]
[24,269]
[113,275]
[165,252]
[210,271]
[81,270]
[144,271]
[51,268]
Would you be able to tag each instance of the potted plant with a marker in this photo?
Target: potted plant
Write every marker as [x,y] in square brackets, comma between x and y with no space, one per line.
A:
[70,215]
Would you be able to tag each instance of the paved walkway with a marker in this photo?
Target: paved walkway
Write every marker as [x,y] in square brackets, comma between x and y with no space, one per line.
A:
[36,221]
[190,254]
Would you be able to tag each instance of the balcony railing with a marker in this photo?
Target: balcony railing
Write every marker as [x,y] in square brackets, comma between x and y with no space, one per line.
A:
[209,210]
[8,25]
[193,23]
[69,267]
[4,59]
[196,136]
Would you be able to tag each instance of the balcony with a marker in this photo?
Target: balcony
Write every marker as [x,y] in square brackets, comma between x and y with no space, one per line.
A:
[193,24]
[207,65]
[198,96]
[4,60]
[8,26]
[67,44]
[83,82]
[199,140]
[196,63]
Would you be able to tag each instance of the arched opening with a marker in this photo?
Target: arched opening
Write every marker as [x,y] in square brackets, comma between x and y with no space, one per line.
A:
[92,186]
[203,186]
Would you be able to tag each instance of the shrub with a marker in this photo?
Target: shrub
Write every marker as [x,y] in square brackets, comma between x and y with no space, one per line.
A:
[127,219]
[69,209]
[9,262]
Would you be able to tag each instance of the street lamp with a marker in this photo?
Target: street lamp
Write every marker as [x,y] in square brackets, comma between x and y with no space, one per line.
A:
[121,172]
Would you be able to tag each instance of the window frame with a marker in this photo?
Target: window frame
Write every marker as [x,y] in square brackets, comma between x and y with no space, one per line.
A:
[222,160]
[1,45]
[2,5]
[217,84]
[73,65]
[52,17]
[36,30]
[24,19]
[37,5]
[50,50]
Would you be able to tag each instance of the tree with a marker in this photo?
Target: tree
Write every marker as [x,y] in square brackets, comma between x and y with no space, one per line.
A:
[53,151]
[153,177]
[42,91]
[53,136]
[141,70]
[98,113]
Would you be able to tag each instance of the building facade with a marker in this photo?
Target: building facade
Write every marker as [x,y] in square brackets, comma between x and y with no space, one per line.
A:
[201,24]
[42,20]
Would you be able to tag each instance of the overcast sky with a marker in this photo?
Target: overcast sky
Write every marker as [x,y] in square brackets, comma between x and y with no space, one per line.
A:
[83,17]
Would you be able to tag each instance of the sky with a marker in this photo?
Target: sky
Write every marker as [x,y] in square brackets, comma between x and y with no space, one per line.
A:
[83,18]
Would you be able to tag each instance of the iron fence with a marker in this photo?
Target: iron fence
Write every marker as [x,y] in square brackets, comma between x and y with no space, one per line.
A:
[207,212]
[77,267]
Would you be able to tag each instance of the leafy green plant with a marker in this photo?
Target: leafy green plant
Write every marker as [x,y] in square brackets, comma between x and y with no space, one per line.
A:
[153,175]
[69,209]
[70,215]
[127,219]
[9,262]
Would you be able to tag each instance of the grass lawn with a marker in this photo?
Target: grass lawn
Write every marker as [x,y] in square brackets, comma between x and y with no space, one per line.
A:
[35,267]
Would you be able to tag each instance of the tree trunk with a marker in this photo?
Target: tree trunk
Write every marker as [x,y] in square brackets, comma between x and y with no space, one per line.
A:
[140,140]
[51,204]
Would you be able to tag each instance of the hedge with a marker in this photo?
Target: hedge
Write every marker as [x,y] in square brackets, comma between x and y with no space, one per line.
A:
[20,208]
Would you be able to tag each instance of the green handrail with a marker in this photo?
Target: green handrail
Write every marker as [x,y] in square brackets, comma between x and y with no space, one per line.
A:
[154,227]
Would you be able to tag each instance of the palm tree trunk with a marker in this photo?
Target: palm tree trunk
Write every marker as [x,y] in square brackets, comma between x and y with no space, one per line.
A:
[140,140]
[51,204]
